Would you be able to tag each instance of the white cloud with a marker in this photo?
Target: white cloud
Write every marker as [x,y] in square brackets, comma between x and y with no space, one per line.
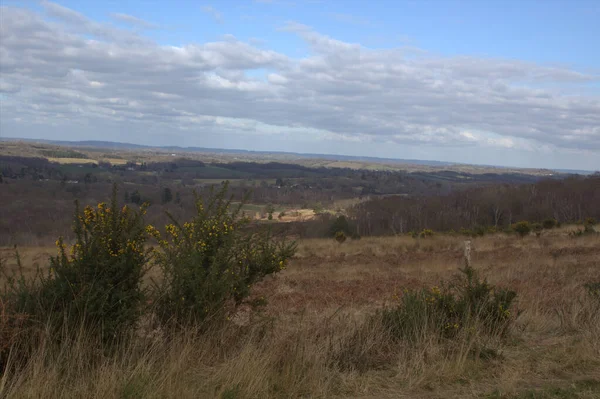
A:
[61,68]
[217,15]
[133,21]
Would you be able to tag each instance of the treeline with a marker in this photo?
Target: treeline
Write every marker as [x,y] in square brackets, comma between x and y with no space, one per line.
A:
[63,153]
[272,181]
[567,201]
[16,167]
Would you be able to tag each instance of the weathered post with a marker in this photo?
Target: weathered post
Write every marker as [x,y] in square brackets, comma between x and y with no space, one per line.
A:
[468,253]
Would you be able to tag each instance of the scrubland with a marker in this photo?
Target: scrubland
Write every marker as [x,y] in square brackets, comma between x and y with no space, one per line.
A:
[309,330]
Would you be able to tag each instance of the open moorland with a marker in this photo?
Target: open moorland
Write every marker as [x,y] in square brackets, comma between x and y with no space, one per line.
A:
[308,338]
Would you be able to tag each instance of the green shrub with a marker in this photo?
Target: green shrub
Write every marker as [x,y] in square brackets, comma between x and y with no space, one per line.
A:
[446,311]
[318,208]
[136,198]
[537,229]
[269,209]
[590,221]
[466,232]
[98,281]
[339,224]
[426,233]
[340,236]
[479,230]
[491,230]
[549,224]
[588,227]
[522,228]
[212,260]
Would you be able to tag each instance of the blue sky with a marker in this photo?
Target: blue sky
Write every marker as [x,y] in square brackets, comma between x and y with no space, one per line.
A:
[552,31]
[513,83]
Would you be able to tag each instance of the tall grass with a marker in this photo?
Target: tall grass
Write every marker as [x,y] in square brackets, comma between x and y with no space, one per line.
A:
[349,350]
[333,357]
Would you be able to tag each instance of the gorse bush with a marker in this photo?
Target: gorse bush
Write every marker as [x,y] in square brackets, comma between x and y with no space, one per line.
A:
[426,233]
[212,260]
[340,224]
[444,312]
[422,234]
[522,228]
[97,281]
[340,237]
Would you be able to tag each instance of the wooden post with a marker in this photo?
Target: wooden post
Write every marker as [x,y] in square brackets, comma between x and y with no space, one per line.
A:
[468,253]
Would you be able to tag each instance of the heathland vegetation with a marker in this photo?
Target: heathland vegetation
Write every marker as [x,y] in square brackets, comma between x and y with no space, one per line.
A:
[173,286]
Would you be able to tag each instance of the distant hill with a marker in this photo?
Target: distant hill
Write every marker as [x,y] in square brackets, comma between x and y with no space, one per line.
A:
[332,157]
[130,146]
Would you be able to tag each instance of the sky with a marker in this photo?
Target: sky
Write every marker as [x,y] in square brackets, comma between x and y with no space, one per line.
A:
[511,83]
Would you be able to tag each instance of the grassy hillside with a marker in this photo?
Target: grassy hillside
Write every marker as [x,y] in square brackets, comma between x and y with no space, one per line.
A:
[305,332]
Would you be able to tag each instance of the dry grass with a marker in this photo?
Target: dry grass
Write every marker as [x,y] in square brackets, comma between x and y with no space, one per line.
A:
[310,340]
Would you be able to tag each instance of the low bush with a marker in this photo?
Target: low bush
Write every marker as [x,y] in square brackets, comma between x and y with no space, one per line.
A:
[479,231]
[340,224]
[465,304]
[522,228]
[537,229]
[491,230]
[340,237]
[549,224]
[466,232]
[426,233]
[590,222]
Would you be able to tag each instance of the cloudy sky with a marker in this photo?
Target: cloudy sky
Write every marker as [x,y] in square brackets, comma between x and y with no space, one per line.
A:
[510,82]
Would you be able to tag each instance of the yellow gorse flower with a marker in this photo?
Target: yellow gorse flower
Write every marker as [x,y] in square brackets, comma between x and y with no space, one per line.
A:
[152,231]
